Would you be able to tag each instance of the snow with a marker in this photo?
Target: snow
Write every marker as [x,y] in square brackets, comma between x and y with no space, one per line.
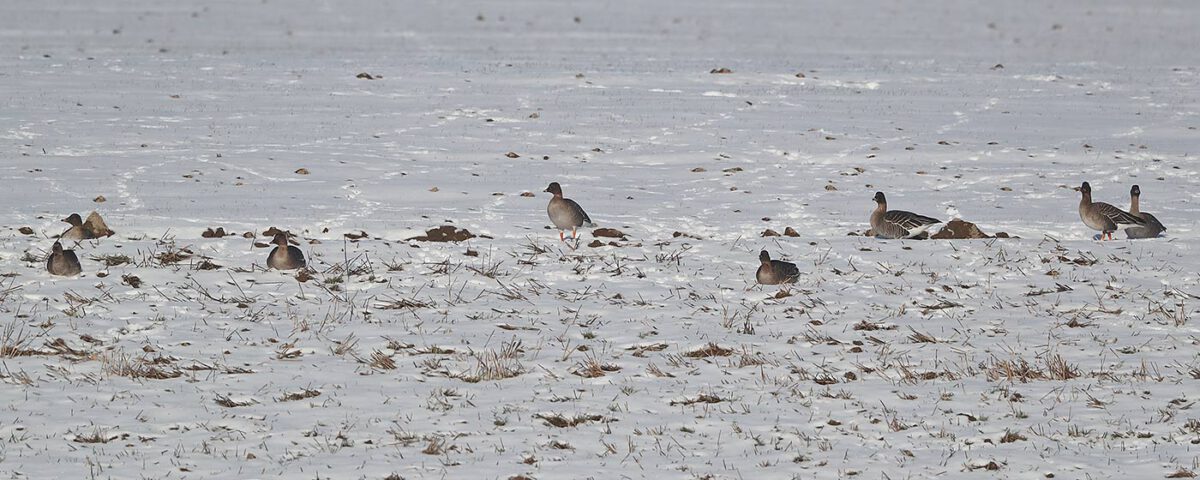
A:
[1051,354]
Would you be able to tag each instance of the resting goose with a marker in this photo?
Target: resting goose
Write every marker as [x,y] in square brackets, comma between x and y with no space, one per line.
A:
[565,213]
[76,232]
[897,223]
[775,272]
[1153,227]
[1102,216]
[63,263]
[284,256]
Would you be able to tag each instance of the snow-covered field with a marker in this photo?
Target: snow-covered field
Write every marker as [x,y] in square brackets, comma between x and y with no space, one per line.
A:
[513,356]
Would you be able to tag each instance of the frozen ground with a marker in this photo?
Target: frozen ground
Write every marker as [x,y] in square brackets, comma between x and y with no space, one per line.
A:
[1048,355]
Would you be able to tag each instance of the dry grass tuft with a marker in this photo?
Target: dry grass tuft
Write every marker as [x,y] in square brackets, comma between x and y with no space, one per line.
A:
[702,398]
[919,337]
[1020,371]
[381,361]
[710,350]
[1011,436]
[301,395]
[227,402]
[402,304]
[172,255]
[98,435]
[122,365]
[564,421]
[112,259]
[495,364]
[15,341]
[592,368]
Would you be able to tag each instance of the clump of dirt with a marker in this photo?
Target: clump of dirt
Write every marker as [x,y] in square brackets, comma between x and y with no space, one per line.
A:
[608,233]
[26,231]
[218,233]
[131,280]
[710,350]
[960,230]
[770,233]
[444,233]
[304,275]
[172,256]
[790,232]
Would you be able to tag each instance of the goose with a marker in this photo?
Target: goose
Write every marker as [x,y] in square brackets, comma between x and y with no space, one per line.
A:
[1153,227]
[76,232]
[1102,216]
[63,263]
[565,213]
[897,223]
[284,256]
[775,272]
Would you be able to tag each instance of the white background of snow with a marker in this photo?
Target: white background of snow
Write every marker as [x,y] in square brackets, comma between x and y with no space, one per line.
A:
[270,87]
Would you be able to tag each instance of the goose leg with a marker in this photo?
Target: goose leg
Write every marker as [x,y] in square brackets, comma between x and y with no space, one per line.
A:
[573,233]
[561,236]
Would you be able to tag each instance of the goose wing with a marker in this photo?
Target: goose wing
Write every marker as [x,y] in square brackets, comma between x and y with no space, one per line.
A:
[1118,216]
[1152,221]
[578,213]
[787,270]
[908,220]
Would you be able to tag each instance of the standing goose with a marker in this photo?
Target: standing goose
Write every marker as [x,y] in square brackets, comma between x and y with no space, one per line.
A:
[565,213]
[897,223]
[63,263]
[775,272]
[76,232]
[1102,216]
[284,256]
[1153,227]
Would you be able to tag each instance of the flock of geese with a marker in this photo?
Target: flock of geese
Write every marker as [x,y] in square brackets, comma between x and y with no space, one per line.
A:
[567,214]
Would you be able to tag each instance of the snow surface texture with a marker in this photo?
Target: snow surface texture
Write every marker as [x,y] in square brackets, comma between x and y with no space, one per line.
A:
[1051,354]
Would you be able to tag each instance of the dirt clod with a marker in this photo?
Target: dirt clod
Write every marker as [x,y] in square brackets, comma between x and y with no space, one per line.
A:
[444,233]
[960,230]
[608,233]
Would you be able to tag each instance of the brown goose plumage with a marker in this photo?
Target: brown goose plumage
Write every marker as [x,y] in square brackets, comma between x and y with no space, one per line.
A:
[284,256]
[775,272]
[1153,227]
[565,213]
[897,223]
[1102,216]
[63,263]
[76,231]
